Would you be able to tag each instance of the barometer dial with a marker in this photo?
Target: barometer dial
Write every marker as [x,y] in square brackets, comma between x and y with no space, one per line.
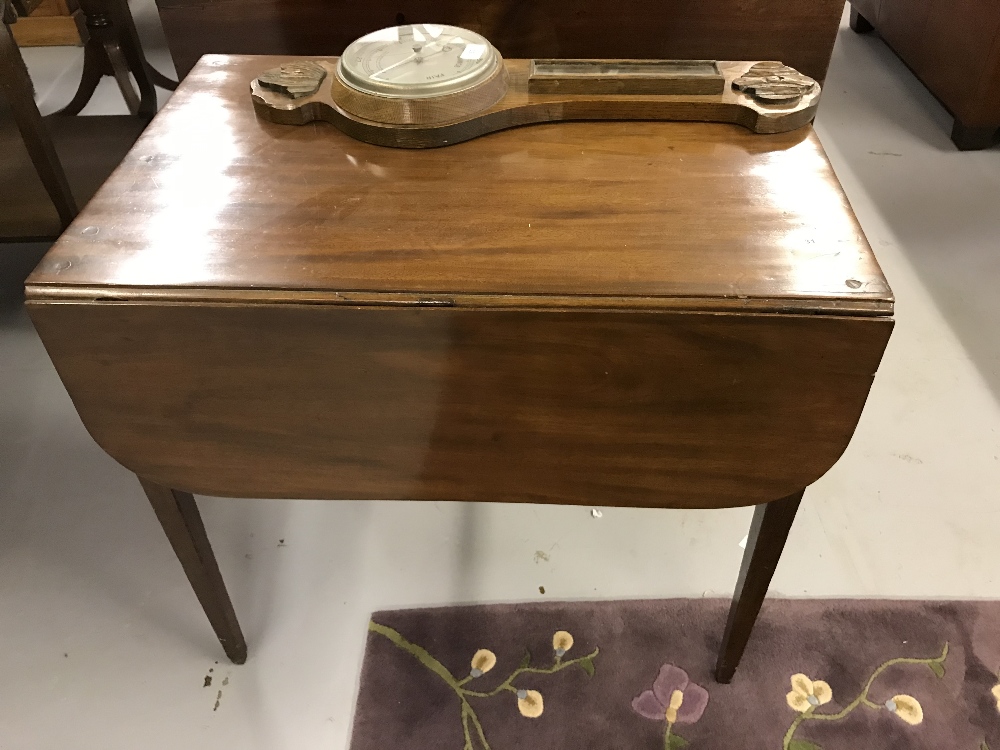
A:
[417,60]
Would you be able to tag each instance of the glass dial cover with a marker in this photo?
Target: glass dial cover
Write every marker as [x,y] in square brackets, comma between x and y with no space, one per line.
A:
[417,60]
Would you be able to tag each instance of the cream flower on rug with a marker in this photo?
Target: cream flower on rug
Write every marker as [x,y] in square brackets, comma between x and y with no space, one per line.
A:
[807,694]
[482,662]
[529,703]
[562,642]
[996,694]
[907,708]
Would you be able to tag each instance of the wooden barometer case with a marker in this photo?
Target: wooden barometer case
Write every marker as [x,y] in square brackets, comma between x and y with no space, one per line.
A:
[426,85]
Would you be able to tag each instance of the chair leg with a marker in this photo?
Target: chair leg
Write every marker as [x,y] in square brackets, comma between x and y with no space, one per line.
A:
[93,71]
[113,49]
[768,532]
[161,80]
[15,84]
[860,24]
[120,71]
[179,516]
[133,57]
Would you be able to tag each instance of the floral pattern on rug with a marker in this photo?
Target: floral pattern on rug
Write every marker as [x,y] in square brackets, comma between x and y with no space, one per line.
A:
[807,695]
[673,699]
[818,675]
[530,703]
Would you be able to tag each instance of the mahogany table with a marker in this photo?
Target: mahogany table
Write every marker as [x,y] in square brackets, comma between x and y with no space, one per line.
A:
[668,315]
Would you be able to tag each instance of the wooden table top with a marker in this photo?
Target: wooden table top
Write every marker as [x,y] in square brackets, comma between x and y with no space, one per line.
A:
[213,203]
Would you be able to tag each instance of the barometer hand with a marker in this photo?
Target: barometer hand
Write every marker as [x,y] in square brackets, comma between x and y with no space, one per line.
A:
[415,57]
[411,58]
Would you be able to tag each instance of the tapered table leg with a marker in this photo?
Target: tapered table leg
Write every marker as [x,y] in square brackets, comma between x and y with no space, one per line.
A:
[768,532]
[179,516]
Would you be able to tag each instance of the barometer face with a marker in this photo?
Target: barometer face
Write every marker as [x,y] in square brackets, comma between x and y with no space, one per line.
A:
[417,60]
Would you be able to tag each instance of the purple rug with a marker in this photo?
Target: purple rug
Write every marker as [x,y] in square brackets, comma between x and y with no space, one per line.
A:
[826,674]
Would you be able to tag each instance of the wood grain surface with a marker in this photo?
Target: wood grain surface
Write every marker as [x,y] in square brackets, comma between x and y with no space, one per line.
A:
[658,409]
[50,30]
[800,33]
[496,105]
[708,215]
[55,7]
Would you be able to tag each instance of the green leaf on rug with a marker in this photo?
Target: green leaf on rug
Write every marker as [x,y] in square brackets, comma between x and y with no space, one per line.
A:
[676,742]
[984,746]
[937,668]
[525,660]
[587,665]
[803,745]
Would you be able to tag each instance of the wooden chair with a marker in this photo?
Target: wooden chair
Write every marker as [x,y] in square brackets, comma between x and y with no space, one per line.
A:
[15,84]
[113,49]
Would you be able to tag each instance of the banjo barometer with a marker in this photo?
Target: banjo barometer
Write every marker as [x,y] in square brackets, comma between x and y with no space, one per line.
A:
[426,85]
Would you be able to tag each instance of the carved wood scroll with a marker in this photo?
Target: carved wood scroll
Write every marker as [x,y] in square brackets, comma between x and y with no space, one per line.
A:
[774,83]
[294,79]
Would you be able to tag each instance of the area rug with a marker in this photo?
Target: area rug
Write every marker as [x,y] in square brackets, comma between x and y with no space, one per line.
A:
[635,675]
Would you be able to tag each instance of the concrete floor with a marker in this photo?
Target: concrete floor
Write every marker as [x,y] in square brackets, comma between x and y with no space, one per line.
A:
[103,645]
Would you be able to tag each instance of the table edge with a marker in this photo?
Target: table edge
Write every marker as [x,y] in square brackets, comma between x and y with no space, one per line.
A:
[874,305]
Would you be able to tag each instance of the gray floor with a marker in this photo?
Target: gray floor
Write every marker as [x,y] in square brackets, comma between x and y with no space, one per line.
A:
[103,644]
